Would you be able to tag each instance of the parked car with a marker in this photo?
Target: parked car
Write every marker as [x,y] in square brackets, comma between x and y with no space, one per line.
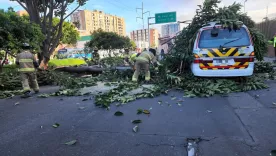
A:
[227,54]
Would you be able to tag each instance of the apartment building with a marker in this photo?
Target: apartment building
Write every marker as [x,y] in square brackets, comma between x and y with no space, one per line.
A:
[91,21]
[170,29]
[140,37]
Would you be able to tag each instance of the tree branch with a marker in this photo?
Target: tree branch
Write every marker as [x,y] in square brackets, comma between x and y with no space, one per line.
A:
[49,31]
[72,12]
[44,16]
[22,5]
[57,39]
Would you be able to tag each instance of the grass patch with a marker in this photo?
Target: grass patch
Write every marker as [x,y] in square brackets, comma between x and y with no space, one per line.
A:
[66,62]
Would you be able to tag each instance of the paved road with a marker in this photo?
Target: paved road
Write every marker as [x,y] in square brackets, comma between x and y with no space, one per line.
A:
[237,125]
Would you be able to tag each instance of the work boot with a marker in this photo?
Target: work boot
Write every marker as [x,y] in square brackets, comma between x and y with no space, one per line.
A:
[26,95]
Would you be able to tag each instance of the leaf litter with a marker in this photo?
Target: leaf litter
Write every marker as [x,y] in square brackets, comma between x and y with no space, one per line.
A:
[135,129]
[139,111]
[56,125]
[208,111]
[146,111]
[81,108]
[118,113]
[70,143]
[136,121]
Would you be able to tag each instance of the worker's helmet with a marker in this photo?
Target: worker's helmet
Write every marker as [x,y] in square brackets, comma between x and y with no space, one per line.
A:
[153,51]
[26,46]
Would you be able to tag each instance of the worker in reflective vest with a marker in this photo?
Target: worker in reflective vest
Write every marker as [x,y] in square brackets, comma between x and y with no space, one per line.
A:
[142,63]
[27,67]
[274,43]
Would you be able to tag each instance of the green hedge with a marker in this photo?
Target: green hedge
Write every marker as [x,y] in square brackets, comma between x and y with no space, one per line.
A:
[66,62]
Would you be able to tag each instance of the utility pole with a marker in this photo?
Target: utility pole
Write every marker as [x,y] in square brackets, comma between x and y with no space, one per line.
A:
[142,18]
[244,5]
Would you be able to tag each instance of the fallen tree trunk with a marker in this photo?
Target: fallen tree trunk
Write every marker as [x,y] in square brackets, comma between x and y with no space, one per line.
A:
[90,70]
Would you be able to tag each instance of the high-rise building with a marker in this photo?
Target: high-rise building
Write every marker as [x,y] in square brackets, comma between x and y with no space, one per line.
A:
[91,21]
[140,37]
[170,29]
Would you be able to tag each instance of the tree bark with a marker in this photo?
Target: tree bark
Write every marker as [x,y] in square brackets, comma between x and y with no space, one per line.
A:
[3,62]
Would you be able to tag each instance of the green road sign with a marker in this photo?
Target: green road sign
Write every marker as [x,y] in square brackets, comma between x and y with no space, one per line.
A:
[166,17]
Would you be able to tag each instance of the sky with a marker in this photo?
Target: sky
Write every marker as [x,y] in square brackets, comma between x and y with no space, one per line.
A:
[256,9]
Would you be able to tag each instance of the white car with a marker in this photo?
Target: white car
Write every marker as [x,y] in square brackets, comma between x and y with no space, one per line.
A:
[227,54]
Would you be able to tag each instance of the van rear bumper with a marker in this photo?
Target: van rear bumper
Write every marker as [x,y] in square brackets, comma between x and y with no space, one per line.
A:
[222,72]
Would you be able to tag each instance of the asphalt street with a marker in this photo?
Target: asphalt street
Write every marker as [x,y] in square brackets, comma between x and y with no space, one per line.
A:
[241,124]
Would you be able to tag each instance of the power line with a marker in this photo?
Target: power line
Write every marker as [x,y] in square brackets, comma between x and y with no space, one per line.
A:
[126,9]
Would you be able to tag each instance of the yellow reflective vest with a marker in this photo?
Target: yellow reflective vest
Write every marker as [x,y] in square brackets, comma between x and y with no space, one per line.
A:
[146,56]
[26,61]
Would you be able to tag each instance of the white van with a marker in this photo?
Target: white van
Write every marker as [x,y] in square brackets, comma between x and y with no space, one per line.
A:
[226,54]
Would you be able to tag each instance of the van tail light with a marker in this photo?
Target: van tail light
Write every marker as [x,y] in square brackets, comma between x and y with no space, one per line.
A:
[252,54]
[202,61]
[197,61]
[251,59]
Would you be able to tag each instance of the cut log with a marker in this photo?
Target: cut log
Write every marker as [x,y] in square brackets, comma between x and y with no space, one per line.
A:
[90,70]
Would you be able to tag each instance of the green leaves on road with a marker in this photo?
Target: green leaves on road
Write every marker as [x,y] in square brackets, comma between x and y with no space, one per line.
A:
[146,112]
[70,143]
[81,108]
[136,121]
[135,129]
[173,98]
[118,113]
[139,111]
[56,125]
[43,95]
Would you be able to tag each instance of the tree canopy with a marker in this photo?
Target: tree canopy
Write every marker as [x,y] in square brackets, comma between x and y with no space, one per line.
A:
[70,35]
[108,41]
[15,30]
[42,12]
